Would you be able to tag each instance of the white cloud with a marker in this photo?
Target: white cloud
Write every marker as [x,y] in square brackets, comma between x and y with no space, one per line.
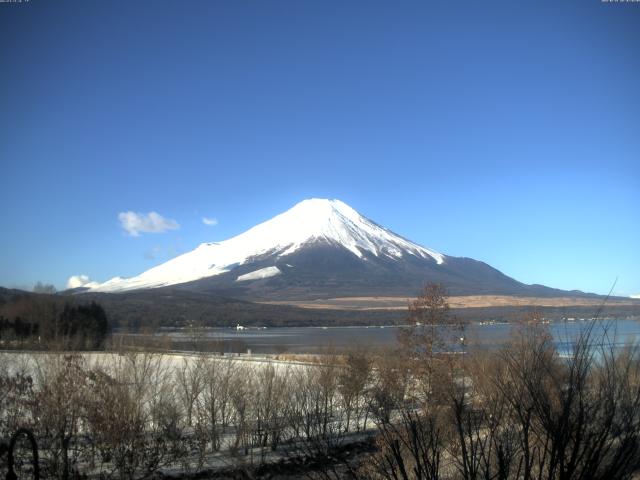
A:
[77,281]
[209,221]
[135,223]
[637,295]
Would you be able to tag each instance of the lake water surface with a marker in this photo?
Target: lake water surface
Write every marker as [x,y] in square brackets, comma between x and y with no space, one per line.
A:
[619,332]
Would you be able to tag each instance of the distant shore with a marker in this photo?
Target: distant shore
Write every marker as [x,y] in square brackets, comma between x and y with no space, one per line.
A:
[466,301]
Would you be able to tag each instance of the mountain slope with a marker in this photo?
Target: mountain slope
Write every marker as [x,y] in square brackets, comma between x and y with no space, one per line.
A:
[307,223]
[321,248]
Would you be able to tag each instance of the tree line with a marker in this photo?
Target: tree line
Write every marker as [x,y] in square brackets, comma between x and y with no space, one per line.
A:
[49,322]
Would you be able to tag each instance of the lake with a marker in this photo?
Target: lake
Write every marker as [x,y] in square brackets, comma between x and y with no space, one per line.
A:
[317,339]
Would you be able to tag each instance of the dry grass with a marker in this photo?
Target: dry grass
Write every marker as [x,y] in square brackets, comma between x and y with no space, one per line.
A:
[470,301]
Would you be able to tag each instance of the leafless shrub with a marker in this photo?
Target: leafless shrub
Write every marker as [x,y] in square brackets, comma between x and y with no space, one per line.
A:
[241,401]
[578,417]
[270,406]
[353,381]
[410,447]
[118,420]
[189,380]
[317,421]
[215,408]
[522,412]
[58,412]
[390,382]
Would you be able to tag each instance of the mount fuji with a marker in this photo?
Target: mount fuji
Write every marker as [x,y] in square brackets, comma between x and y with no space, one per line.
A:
[321,248]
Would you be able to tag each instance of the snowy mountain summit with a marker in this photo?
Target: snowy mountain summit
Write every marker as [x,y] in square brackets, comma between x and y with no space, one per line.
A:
[270,248]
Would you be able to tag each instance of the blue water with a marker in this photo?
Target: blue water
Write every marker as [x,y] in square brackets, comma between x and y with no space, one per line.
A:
[618,332]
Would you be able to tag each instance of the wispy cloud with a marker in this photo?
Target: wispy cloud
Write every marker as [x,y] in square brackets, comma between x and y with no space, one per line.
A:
[153,253]
[135,223]
[77,281]
[209,221]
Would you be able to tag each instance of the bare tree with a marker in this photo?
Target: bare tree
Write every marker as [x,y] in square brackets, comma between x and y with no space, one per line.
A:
[391,376]
[189,378]
[241,396]
[58,410]
[430,344]
[270,390]
[135,423]
[353,381]
[411,447]
[215,406]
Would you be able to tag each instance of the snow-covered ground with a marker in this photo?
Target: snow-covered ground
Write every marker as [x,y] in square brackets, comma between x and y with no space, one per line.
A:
[29,363]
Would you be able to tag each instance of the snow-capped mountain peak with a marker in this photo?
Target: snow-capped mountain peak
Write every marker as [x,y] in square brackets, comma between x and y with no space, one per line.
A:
[308,222]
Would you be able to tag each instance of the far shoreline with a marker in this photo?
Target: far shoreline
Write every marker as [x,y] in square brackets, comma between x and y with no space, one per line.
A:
[455,302]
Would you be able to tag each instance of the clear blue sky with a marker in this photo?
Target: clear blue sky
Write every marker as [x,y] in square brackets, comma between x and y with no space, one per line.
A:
[504,131]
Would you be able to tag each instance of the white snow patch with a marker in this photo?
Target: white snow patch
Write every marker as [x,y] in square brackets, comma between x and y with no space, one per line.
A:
[258,274]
